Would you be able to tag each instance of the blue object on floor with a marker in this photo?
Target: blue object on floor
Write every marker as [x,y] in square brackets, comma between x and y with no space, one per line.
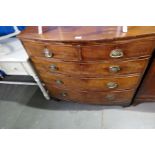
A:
[2,74]
[5,30]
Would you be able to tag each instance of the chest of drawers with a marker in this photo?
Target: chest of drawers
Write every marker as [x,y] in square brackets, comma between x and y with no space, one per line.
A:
[103,67]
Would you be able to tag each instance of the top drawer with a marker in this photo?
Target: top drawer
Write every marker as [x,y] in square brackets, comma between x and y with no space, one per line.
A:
[124,49]
[48,50]
[104,51]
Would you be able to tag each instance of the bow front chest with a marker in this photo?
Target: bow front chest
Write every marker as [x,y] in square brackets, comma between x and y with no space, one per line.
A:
[94,65]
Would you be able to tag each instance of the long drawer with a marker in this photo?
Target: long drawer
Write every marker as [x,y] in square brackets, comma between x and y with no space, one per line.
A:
[110,98]
[91,69]
[91,84]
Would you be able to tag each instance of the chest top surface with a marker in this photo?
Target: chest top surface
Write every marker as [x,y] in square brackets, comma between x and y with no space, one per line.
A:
[86,33]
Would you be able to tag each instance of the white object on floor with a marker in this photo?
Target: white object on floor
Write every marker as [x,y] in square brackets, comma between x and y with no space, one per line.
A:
[15,61]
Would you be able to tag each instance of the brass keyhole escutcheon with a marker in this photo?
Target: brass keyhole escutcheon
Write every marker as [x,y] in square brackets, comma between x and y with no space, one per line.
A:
[110,97]
[47,53]
[59,82]
[112,85]
[63,94]
[53,67]
[114,69]
[116,53]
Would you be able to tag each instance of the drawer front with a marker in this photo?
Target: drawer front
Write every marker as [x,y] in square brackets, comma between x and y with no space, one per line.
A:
[91,84]
[13,68]
[117,51]
[49,50]
[110,98]
[95,69]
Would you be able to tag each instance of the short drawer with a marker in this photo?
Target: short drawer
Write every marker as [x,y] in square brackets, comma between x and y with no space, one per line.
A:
[126,49]
[110,98]
[50,50]
[91,69]
[91,84]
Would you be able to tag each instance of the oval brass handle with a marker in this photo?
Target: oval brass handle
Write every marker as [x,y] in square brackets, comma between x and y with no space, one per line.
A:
[112,85]
[110,97]
[47,53]
[53,67]
[114,69]
[64,94]
[116,53]
[59,82]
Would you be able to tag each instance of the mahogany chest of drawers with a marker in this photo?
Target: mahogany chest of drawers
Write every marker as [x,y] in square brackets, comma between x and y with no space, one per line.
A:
[94,65]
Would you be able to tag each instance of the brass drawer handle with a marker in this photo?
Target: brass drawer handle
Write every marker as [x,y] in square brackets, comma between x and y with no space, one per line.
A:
[47,53]
[112,85]
[110,97]
[114,69]
[64,94]
[59,82]
[116,53]
[53,67]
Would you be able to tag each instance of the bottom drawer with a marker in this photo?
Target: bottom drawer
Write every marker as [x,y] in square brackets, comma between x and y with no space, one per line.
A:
[104,98]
